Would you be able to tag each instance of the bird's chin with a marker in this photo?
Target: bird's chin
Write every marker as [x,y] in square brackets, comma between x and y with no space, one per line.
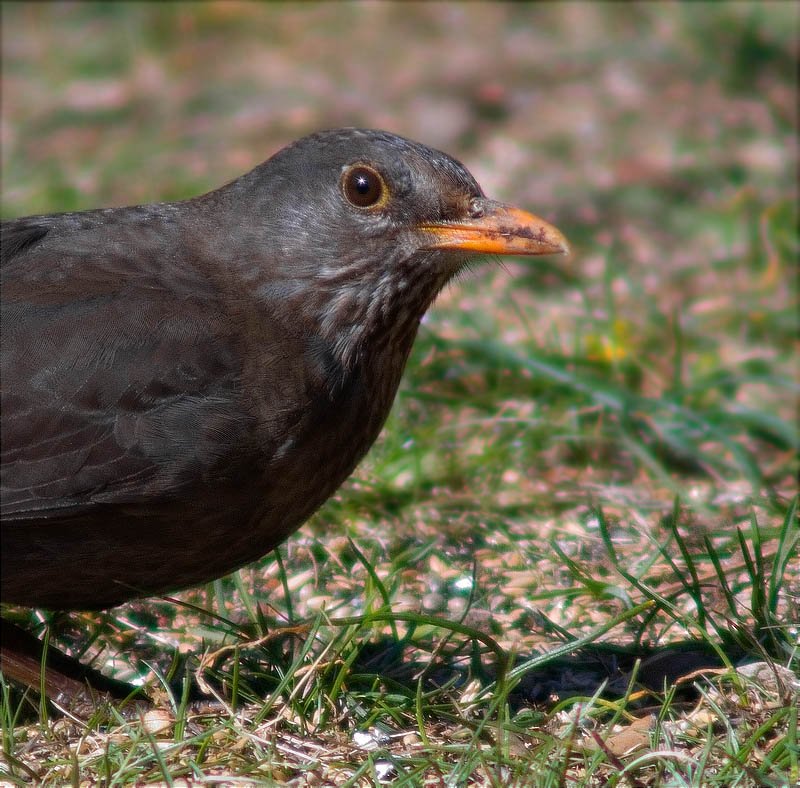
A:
[443,265]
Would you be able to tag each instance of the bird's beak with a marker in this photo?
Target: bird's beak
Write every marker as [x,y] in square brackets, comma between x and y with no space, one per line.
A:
[496,228]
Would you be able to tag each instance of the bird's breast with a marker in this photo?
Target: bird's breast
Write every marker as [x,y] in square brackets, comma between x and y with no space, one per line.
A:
[341,412]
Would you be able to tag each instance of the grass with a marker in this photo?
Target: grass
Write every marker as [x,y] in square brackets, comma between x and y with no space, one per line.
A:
[572,557]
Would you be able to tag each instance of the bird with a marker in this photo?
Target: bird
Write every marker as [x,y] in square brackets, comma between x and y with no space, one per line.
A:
[185,383]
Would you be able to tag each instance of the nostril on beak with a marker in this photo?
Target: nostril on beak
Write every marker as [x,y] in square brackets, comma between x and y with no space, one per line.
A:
[475,208]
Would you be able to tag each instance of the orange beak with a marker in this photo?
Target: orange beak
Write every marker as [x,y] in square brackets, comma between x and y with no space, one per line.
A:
[496,228]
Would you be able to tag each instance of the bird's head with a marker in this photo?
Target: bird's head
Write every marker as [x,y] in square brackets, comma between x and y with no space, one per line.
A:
[369,226]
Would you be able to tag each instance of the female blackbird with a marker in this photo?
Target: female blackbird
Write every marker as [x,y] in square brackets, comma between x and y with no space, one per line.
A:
[184,384]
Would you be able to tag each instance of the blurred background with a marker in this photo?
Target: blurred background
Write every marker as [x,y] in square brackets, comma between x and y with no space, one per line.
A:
[555,103]
[654,374]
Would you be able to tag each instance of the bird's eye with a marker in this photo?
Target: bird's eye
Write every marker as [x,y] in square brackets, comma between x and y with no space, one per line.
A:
[363,186]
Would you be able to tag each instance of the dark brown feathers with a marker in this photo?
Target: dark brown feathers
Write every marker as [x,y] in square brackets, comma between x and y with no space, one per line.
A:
[184,384]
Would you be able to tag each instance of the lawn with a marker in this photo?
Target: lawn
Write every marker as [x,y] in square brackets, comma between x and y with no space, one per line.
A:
[571,559]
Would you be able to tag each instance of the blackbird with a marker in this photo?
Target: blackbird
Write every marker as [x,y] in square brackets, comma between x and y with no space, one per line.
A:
[184,384]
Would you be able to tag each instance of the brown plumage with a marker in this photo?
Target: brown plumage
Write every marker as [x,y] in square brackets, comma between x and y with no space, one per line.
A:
[184,384]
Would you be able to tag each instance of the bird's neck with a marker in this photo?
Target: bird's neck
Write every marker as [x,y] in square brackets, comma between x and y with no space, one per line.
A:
[364,317]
